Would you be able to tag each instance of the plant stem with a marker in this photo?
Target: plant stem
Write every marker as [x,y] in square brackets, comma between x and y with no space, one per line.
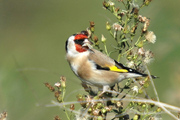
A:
[64,91]
[105,49]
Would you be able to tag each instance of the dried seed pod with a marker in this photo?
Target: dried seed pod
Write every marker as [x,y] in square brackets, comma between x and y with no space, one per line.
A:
[95,39]
[57,118]
[51,88]
[72,107]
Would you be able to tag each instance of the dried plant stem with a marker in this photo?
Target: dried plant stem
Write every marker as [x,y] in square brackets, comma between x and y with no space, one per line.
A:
[163,106]
[105,49]
[154,88]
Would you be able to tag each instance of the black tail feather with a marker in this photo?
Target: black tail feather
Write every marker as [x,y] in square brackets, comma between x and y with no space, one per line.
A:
[130,70]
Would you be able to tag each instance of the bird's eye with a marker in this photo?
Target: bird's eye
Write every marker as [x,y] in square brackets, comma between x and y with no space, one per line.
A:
[79,41]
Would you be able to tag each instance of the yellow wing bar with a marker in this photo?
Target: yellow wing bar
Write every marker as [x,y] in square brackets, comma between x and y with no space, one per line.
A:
[114,68]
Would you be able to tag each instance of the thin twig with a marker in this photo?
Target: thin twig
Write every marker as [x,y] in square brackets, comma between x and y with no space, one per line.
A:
[154,88]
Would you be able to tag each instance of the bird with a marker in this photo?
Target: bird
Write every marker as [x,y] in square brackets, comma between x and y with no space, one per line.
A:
[92,66]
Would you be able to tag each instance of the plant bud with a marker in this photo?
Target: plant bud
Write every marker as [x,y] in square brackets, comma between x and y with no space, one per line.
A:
[140,44]
[60,98]
[106,4]
[136,117]
[158,109]
[103,39]
[140,91]
[63,81]
[103,110]
[119,104]
[99,105]
[89,110]
[100,118]
[92,29]
[146,2]
[108,26]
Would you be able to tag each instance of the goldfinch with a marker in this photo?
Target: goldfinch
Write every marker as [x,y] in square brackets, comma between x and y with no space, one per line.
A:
[92,66]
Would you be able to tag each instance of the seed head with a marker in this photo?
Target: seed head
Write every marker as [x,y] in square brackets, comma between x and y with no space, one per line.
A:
[130,64]
[117,27]
[142,19]
[146,24]
[150,37]
[148,57]
[141,51]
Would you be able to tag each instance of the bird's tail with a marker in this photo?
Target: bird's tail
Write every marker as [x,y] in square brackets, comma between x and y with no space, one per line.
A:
[133,72]
[152,76]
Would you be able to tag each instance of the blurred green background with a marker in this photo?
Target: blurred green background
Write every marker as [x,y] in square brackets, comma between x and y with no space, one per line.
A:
[32,37]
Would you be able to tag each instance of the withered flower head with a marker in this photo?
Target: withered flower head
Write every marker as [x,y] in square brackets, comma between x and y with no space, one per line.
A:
[141,51]
[92,24]
[135,10]
[146,24]
[142,19]
[148,57]
[117,27]
[95,38]
[3,116]
[57,84]
[57,118]
[57,93]
[72,107]
[51,88]
[150,37]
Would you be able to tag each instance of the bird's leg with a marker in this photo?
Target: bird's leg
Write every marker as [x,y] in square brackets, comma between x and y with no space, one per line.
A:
[105,89]
[84,85]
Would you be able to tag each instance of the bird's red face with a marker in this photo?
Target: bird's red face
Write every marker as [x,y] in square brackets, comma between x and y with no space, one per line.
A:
[81,42]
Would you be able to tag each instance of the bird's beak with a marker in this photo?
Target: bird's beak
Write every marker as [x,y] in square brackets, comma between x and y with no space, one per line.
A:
[87,43]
